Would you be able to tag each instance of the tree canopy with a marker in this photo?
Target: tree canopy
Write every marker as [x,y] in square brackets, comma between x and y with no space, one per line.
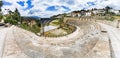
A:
[1,5]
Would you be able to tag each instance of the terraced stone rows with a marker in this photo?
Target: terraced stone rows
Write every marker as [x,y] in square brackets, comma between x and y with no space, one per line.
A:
[85,26]
[42,38]
[88,42]
[88,25]
[82,49]
[32,34]
[103,53]
[83,44]
[94,29]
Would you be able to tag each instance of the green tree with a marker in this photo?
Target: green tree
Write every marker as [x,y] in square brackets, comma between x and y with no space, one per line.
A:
[1,5]
[107,8]
[10,20]
[17,16]
[1,16]
[61,21]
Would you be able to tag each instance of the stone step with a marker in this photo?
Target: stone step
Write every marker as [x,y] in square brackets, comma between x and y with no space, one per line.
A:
[30,48]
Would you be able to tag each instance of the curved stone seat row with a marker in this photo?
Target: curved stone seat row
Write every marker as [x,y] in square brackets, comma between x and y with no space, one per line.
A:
[62,52]
[75,47]
[90,27]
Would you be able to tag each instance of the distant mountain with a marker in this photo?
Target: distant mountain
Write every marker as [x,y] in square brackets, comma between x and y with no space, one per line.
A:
[31,17]
[35,17]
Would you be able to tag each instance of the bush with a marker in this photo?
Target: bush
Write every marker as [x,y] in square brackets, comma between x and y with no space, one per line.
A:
[34,28]
[25,26]
[109,18]
[11,21]
[1,16]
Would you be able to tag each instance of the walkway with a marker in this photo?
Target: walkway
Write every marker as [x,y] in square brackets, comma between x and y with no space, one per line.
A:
[2,39]
[114,35]
[11,49]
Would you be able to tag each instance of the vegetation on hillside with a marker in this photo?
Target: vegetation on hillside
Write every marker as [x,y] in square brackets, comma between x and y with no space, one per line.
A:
[13,17]
[34,28]
[67,29]
[110,18]
[1,16]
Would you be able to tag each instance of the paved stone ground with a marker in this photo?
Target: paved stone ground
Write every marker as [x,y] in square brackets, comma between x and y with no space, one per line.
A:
[71,48]
[101,49]
[2,40]
[11,49]
[92,45]
[1,27]
[114,35]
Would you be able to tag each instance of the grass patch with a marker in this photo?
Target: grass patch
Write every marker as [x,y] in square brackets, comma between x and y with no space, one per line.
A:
[117,17]
[109,18]
[65,30]
[55,23]
[35,29]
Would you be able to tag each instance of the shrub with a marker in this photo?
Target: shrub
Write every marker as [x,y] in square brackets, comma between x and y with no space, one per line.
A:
[34,28]
[109,18]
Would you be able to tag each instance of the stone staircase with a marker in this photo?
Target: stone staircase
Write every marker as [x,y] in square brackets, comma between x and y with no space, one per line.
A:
[90,42]
[83,47]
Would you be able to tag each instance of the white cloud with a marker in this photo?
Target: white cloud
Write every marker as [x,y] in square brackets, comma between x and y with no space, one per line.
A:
[42,5]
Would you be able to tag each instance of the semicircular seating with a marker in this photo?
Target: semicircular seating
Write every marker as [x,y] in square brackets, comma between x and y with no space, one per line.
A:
[77,45]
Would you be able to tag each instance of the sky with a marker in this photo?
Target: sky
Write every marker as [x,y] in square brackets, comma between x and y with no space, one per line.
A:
[48,8]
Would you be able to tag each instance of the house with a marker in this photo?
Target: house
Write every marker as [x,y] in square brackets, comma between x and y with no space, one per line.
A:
[75,14]
[29,20]
[99,12]
[69,15]
[88,13]
[117,12]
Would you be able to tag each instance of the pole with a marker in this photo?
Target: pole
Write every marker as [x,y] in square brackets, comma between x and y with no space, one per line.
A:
[42,27]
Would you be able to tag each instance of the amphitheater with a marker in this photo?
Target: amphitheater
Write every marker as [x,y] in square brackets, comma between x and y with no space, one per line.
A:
[91,39]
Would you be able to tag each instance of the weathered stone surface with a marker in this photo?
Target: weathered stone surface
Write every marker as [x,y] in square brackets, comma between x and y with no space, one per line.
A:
[11,49]
[114,34]
[86,42]
[2,40]
[74,46]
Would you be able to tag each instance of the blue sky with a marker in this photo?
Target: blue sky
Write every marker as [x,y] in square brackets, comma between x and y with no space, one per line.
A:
[47,8]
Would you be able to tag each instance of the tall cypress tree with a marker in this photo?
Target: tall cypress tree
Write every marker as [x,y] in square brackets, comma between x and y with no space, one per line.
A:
[1,16]
[107,8]
[1,5]
[17,15]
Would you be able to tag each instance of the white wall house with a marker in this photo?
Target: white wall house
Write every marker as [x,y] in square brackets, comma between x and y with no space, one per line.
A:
[115,11]
[88,14]
[99,11]
[69,14]
[75,14]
